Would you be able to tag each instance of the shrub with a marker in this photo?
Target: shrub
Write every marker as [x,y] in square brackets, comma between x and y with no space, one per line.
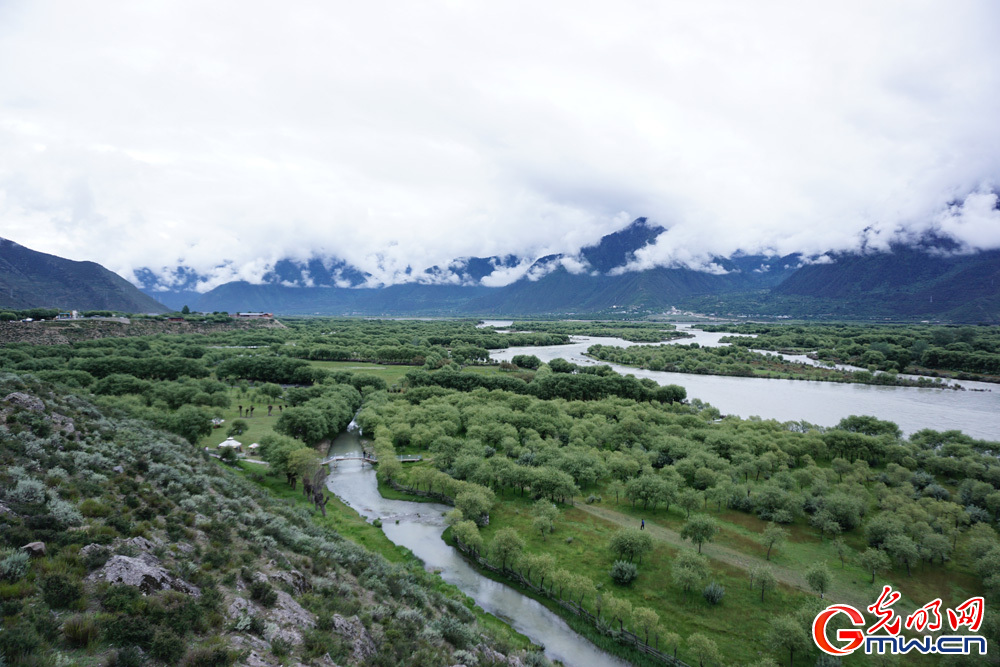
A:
[61,591]
[65,513]
[229,455]
[120,598]
[459,634]
[94,508]
[168,647]
[27,491]
[713,593]
[262,592]
[13,565]
[624,573]
[126,657]
[19,640]
[127,630]
[252,624]
[96,557]
[80,630]
[316,643]
[280,647]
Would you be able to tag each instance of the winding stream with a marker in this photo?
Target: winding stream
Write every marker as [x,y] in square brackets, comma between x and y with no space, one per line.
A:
[418,527]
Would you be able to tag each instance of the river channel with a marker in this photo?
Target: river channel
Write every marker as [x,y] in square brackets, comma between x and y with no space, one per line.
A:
[976,413]
[418,527]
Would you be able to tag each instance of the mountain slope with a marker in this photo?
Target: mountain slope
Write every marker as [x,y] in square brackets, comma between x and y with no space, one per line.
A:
[907,281]
[30,279]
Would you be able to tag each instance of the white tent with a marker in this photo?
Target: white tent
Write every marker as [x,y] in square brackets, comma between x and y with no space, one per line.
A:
[232,442]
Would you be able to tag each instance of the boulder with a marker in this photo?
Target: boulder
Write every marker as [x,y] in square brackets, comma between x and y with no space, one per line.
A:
[25,401]
[144,572]
[34,549]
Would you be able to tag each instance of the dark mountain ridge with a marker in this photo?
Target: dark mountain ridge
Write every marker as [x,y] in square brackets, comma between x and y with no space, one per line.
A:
[30,279]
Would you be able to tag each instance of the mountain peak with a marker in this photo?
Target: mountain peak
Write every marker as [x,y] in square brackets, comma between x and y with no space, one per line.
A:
[619,248]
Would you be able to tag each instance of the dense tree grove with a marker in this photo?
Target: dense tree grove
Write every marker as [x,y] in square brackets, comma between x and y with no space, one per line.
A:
[739,361]
[963,350]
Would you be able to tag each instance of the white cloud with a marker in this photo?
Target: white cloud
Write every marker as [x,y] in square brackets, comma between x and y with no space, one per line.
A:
[230,135]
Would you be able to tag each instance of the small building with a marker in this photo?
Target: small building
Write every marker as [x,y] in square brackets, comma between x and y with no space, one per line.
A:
[69,315]
[255,316]
[175,319]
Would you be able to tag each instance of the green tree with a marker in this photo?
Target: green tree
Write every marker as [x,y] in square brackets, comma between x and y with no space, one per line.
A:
[843,551]
[703,648]
[630,543]
[617,609]
[773,536]
[645,619]
[902,549]
[189,422]
[303,462]
[671,641]
[306,424]
[688,570]
[689,499]
[785,633]
[935,545]
[699,530]
[185,311]
[271,390]
[507,545]
[766,580]
[467,533]
[874,561]
[818,577]
[475,502]
[238,427]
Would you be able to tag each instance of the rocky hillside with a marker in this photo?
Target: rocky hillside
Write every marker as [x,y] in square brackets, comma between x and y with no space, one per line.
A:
[122,545]
[60,332]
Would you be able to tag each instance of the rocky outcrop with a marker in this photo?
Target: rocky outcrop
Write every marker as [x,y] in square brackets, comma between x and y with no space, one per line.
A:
[287,616]
[293,579]
[353,629]
[492,657]
[144,572]
[24,401]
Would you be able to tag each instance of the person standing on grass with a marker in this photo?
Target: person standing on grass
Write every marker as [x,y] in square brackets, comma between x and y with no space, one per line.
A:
[642,525]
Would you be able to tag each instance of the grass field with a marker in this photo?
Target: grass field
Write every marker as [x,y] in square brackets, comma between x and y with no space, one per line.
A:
[741,621]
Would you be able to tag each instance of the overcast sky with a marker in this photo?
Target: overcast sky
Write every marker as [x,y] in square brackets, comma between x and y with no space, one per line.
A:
[408,133]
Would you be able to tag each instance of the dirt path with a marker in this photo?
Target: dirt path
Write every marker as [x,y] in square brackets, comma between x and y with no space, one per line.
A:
[838,591]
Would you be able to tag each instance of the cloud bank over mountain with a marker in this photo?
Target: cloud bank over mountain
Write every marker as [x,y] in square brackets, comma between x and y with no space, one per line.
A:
[230,136]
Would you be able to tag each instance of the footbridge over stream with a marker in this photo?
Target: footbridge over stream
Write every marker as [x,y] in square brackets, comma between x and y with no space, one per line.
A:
[369,458]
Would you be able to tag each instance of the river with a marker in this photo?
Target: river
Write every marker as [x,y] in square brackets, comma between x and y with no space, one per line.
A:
[976,413]
[418,527]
